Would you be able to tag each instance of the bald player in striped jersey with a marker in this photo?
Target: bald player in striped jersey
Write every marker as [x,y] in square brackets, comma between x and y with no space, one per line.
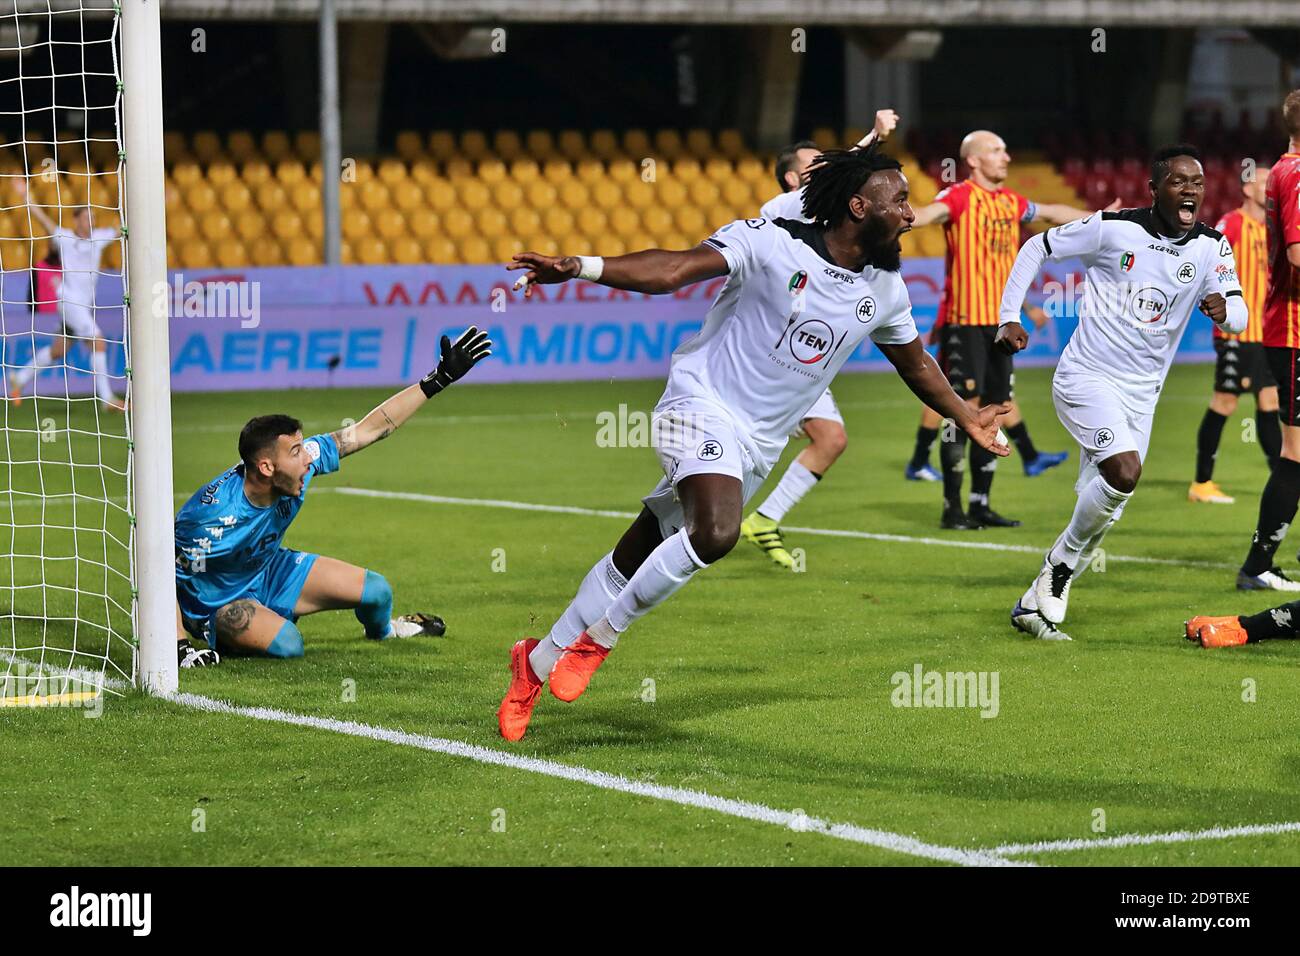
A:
[1278,503]
[1240,365]
[981,219]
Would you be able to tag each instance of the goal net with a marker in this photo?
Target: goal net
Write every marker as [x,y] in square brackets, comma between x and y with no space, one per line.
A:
[68,510]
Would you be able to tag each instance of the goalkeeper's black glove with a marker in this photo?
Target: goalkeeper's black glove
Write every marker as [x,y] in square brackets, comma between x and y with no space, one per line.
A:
[187,656]
[457,358]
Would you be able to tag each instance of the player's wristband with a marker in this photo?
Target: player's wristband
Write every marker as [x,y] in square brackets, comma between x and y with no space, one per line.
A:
[590,267]
[433,383]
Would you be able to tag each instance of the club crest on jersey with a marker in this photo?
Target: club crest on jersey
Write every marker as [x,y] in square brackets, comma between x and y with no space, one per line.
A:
[1126,261]
[1103,438]
[1186,272]
[811,341]
[866,309]
[709,450]
[798,282]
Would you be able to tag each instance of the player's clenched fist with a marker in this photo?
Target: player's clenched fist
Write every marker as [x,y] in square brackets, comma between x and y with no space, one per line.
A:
[1011,338]
[458,358]
[1215,306]
[546,270]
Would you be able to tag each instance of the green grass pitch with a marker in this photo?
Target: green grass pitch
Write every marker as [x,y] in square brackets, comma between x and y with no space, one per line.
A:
[769,687]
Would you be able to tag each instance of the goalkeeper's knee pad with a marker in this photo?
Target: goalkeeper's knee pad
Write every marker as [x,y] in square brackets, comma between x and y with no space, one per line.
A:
[287,643]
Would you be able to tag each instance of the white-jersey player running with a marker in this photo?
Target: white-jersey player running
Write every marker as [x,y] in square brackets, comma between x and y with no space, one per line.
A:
[798,300]
[822,424]
[1146,270]
[80,248]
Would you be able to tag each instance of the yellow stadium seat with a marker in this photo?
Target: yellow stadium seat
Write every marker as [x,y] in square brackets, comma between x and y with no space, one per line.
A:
[457,223]
[442,145]
[524,170]
[458,168]
[699,143]
[668,143]
[275,146]
[717,216]
[441,194]
[703,192]
[491,222]
[606,194]
[347,254]
[691,222]
[254,173]
[676,241]
[229,253]
[173,144]
[540,144]
[353,171]
[473,195]
[687,168]
[589,171]
[491,170]
[719,170]
[640,195]
[241,145]
[623,171]
[371,251]
[440,250]
[542,245]
[195,254]
[172,196]
[389,224]
[391,172]
[507,194]
[592,222]
[574,195]
[313,223]
[356,225]
[825,137]
[407,195]
[557,221]
[249,225]
[750,167]
[608,245]
[638,241]
[187,174]
[304,196]
[736,192]
[424,223]
[409,145]
[556,171]
[505,247]
[286,225]
[524,221]
[206,145]
[235,197]
[671,193]
[201,197]
[473,144]
[656,220]
[604,144]
[636,144]
[542,195]
[181,226]
[306,145]
[474,250]
[572,144]
[406,251]
[624,221]
[349,197]
[731,144]
[375,195]
[302,251]
[265,251]
[424,171]
[271,196]
[290,171]
[763,191]
[507,145]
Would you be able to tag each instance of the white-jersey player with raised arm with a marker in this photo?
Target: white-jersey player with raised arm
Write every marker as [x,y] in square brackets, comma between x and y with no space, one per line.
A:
[1147,269]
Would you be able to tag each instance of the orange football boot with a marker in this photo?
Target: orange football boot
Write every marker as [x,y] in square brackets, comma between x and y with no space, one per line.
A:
[525,687]
[572,672]
[1216,631]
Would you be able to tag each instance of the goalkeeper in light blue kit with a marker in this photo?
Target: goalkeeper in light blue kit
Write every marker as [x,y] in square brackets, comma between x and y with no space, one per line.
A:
[236,586]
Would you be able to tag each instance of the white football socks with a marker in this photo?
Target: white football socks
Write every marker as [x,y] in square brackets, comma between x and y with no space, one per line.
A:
[662,575]
[597,591]
[1098,506]
[794,484]
[99,366]
[40,360]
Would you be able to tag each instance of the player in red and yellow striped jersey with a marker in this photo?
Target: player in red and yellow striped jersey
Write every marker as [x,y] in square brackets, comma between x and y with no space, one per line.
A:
[1239,359]
[1278,503]
[981,219]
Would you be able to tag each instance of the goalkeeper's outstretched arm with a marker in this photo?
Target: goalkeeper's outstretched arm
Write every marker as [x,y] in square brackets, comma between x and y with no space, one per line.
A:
[457,358]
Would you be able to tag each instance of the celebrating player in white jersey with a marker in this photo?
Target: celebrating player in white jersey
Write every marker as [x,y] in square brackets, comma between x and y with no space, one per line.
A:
[822,425]
[798,300]
[1146,270]
[80,249]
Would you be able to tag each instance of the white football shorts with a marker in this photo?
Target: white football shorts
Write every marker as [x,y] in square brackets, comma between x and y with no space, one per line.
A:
[1093,410]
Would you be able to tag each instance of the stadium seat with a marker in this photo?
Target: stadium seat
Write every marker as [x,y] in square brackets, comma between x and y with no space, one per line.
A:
[440,194]
[285,225]
[356,225]
[229,253]
[507,145]
[180,226]
[703,192]
[556,171]
[572,145]
[306,145]
[736,192]
[407,195]
[542,245]
[241,145]
[491,222]
[592,223]
[275,146]
[719,170]
[302,251]
[731,144]
[505,247]
[201,197]
[636,143]
[186,174]
[254,173]
[313,223]
[474,250]
[290,171]
[249,225]
[390,172]
[524,221]
[405,250]
[606,194]
[442,145]
[589,171]
[271,196]
[699,144]
[457,223]
[374,195]
[371,251]
[668,144]
[491,171]
[206,145]
[424,223]
[473,195]
[623,171]
[457,168]
[540,145]
[671,193]
[557,222]
[691,222]
[235,197]
[424,171]
[174,145]
[640,195]
[623,221]
[440,250]
[304,195]
[265,251]
[194,254]
[524,170]
[409,145]
[474,145]
[507,194]
[603,144]
[389,224]
[687,168]
[656,220]
[574,195]
[542,195]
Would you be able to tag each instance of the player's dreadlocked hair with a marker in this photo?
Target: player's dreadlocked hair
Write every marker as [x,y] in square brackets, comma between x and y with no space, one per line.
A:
[835,176]
[1160,161]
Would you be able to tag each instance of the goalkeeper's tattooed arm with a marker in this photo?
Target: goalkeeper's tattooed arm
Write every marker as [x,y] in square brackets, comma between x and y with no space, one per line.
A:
[457,358]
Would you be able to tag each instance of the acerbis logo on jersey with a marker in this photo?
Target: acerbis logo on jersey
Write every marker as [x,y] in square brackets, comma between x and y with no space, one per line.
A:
[866,310]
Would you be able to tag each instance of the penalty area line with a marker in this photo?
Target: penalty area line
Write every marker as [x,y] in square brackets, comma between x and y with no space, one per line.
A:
[824,532]
[743,809]
[1145,839]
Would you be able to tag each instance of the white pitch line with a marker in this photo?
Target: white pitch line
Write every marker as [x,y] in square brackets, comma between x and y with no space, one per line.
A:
[1144,839]
[825,532]
[743,809]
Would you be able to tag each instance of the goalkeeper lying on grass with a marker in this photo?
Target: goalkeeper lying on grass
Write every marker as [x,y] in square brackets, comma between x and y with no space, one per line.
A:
[236,587]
